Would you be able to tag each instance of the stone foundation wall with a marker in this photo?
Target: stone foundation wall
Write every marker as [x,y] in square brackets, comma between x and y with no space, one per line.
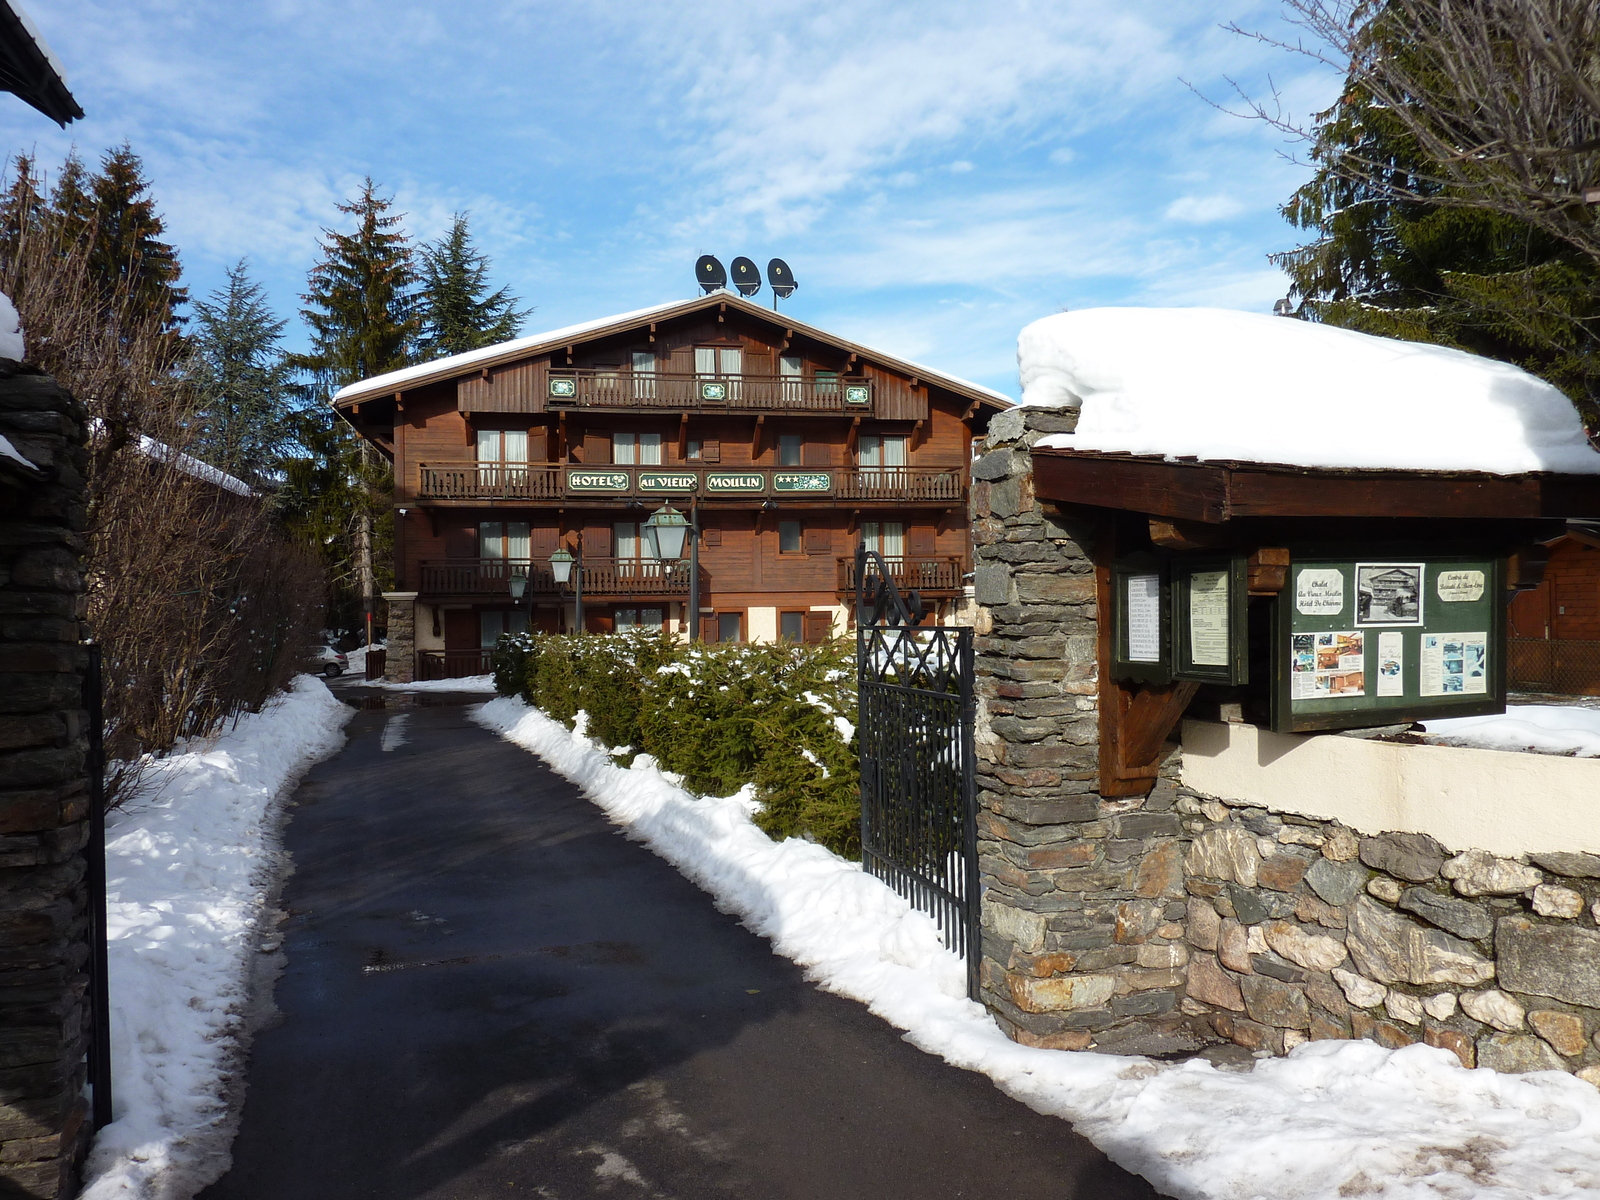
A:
[43,790]
[400,664]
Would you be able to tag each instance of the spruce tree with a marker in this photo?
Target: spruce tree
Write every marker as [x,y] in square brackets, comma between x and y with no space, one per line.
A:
[457,315]
[128,256]
[241,378]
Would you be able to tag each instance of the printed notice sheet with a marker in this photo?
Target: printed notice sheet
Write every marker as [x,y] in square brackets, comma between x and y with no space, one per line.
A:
[1208,618]
[1454,664]
[1144,618]
[1327,666]
[1457,587]
[1319,591]
[1391,664]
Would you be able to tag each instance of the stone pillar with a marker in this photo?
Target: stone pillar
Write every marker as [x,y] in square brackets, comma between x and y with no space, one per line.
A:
[1083,895]
[44,945]
[400,664]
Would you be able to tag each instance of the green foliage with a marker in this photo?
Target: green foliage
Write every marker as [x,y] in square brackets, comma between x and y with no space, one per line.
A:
[457,315]
[241,380]
[719,716]
[128,257]
[1393,258]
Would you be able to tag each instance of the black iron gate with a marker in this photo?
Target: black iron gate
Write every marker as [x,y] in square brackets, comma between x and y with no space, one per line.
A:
[918,799]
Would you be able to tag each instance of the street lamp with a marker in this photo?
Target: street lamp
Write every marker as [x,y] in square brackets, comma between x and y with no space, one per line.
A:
[562,566]
[664,533]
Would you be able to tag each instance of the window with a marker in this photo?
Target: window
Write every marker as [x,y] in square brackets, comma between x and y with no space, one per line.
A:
[639,618]
[792,626]
[503,539]
[692,449]
[714,362]
[492,623]
[790,448]
[642,449]
[888,538]
[791,376]
[827,383]
[503,445]
[730,627]
[644,374]
[886,450]
[789,537]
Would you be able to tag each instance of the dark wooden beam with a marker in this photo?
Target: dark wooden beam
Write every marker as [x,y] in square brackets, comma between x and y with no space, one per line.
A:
[1268,570]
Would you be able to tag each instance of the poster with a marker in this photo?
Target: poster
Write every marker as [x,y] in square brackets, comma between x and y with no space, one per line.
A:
[1327,666]
[1208,618]
[1388,593]
[1459,587]
[1454,664]
[1144,618]
[1391,664]
[1319,591]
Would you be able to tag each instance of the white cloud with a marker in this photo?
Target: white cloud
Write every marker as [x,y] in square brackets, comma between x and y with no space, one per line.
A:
[1062,155]
[960,167]
[1202,210]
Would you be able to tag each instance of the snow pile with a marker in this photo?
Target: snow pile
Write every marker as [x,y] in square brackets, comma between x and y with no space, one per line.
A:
[1334,1119]
[467,683]
[1545,728]
[12,343]
[189,867]
[1216,384]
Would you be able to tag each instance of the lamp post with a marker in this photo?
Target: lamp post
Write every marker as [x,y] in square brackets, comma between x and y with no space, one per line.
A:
[564,567]
[664,533]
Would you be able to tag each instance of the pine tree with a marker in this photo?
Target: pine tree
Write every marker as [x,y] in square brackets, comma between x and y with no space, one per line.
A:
[361,303]
[242,379]
[456,314]
[128,255]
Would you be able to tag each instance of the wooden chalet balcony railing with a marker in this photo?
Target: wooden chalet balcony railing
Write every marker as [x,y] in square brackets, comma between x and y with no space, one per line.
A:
[568,481]
[490,577]
[579,388]
[926,573]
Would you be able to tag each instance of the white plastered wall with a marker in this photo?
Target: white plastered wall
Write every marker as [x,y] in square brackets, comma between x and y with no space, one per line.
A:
[1504,802]
[761,624]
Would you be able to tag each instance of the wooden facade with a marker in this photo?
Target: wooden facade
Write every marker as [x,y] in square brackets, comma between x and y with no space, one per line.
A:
[1554,629]
[792,445]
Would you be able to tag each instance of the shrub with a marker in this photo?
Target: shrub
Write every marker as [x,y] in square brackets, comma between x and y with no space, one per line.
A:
[721,716]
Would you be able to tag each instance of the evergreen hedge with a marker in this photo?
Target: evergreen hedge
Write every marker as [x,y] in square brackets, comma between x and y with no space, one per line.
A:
[779,716]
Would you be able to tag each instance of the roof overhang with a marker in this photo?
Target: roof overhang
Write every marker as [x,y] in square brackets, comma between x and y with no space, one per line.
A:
[384,386]
[1217,492]
[28,69]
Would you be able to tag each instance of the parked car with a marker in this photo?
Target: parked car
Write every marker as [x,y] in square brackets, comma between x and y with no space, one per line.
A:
[331,662]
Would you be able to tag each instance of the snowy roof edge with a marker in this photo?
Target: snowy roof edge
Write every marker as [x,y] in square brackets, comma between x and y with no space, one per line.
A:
[442,368]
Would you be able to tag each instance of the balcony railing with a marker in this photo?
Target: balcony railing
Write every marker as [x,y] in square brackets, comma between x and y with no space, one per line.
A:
[453,664]
[579,388]
[490,577]
[927,574]
[569,481]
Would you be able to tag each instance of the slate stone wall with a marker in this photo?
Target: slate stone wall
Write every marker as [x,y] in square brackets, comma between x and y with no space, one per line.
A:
[400,663]
[43,790]
[1168,922]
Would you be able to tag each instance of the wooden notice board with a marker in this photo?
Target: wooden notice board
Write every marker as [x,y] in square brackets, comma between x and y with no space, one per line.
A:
[1369,640]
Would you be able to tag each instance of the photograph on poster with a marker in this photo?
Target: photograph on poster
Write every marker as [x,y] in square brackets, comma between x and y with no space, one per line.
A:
[1391,664]
[1327,666]
[1388,593]
[1454,664]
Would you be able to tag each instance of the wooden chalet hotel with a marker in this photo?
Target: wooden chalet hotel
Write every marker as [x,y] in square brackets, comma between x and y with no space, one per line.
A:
[787,445]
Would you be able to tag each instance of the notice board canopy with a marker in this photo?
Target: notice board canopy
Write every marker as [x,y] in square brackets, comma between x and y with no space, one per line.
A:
[1424,563]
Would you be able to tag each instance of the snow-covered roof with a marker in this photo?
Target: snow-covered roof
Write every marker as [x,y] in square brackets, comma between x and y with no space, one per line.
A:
[539,343]
[192,466]
[1234,386]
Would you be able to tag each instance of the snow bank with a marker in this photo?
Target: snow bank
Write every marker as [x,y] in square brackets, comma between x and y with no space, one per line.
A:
[468,683]
[1546,728]
[189,868]
[12,342]
[1216,384]
[1334,1119]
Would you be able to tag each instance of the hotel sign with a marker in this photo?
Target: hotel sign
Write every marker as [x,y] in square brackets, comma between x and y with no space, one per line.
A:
[597,481]
[668,481]
[724,482]
[802,481]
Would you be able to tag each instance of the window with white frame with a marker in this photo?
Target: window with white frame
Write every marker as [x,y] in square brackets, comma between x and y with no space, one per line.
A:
[644,374]
[636,449]
[639,618]
[888,538]
[791,376]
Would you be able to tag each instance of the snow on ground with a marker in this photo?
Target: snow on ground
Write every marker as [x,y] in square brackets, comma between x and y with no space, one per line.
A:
[190,864]
[1543,728]
[468,683]
[1334,1119]
[1218,384]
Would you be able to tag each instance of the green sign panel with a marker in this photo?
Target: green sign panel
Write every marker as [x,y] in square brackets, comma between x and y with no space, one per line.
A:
[668,481]
[712,389]
[563,387]
[718,482]
[802,481]
[1397,636]
[597,481]
[857,393]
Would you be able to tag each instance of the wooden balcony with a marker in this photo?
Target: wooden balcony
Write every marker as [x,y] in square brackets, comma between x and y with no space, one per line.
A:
[475,482]
[578,388]
[489,578]
[932,575]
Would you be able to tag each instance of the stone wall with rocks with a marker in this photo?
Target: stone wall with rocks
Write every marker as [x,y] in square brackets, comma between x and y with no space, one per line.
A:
[43,789]
[1167,922]
[400,662]
[1083,895]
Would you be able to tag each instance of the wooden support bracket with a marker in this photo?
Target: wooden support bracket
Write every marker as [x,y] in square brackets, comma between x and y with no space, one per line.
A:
[1268,570]
[683,437]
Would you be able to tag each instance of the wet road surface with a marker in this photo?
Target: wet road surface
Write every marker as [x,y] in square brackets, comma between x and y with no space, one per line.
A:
[490,992]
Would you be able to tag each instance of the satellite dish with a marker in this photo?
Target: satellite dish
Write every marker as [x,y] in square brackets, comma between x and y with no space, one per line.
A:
[746,277]
[1283,308]
[708,273]
[781,278]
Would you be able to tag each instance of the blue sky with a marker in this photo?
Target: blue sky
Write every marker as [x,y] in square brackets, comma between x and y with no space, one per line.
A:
[937,174]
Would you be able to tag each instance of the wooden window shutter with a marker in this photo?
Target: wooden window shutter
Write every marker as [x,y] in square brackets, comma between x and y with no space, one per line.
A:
[819,627]
[819,539]
[710,536]
[708,629]
[920,540]
[817,454]
[596,446]
[542,541]
[710,450]
[597,541]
